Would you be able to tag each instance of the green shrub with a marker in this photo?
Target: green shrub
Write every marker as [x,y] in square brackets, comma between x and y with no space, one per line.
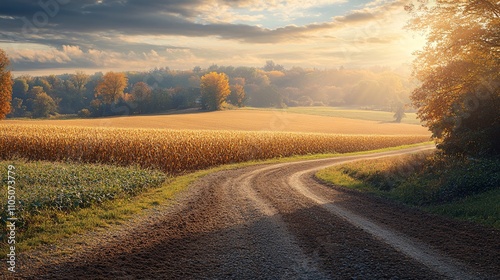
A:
[426,179]
[459,187]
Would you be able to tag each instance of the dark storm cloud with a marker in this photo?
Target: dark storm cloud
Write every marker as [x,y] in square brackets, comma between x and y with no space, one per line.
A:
[31,19]
[26,65]
[28,8]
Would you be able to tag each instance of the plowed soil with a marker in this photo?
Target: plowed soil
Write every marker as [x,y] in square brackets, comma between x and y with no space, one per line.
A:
[277,222]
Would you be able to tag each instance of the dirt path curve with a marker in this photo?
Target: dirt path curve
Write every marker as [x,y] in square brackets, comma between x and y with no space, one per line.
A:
[277,222]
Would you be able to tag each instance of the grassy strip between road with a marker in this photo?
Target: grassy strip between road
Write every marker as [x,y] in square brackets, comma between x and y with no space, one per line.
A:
[65,199]
[462,189]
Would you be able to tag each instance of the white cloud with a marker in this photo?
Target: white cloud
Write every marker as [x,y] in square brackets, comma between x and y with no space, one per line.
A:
[253,11]
[73,51]
[368,35]
[220,13]
[38,56]
[287,6]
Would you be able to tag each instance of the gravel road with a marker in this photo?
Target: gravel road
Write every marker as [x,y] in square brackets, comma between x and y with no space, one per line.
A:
[277,222]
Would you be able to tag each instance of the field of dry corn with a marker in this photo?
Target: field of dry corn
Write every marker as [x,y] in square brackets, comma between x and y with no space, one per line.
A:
[175,151]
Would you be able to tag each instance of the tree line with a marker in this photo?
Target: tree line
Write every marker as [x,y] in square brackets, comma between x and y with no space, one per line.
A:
[161,89]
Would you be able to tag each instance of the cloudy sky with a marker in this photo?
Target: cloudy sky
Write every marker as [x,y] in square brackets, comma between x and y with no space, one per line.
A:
[56,36]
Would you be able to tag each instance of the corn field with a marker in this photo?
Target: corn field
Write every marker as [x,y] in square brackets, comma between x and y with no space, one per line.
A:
[175,151]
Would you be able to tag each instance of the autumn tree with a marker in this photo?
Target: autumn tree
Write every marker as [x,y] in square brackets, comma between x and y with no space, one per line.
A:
[111,87]
[5,85]
[237,96]
[459,67]
[141,92]
[31,95]
[80,79]
[141,96]
[214,90]
[44,83]
[43,105]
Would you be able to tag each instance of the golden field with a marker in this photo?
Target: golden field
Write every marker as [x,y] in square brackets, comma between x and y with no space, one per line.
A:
[245,120]
[175,151]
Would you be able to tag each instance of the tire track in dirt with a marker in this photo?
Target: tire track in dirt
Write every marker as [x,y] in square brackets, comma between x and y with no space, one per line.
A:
[276,222]
[263,246]
[416,250]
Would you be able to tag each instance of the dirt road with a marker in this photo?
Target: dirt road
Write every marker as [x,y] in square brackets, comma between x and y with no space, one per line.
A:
[276,222]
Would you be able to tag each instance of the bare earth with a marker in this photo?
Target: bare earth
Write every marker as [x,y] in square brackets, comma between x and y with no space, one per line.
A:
[276,222]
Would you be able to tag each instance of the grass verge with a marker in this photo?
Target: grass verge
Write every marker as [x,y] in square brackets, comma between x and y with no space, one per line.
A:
[51,194]
[458,188]
[483,208]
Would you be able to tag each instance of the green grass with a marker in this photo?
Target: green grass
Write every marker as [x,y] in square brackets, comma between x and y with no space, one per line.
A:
[337,177]
[484,208]
[467,190]
[371,115]
[64,186]
[112,195]
[49,194]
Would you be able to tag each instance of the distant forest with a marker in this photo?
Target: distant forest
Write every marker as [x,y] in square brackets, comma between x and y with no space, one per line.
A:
[162,89]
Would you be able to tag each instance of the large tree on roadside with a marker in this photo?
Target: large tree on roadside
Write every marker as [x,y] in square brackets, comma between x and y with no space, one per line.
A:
[459,67]
[5,85]
[214,90]
[111,87]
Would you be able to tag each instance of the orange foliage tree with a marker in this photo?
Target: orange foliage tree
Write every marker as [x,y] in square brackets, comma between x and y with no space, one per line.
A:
[459,67]
[214,90]
[5,85]
[111,87]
